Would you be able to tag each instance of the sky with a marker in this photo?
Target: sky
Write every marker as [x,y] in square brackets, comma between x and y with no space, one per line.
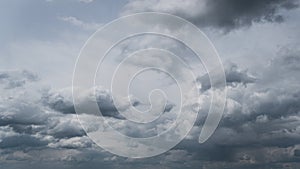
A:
[258,45]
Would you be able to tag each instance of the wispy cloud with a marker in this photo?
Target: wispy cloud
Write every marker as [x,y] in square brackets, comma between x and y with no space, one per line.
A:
[79,23]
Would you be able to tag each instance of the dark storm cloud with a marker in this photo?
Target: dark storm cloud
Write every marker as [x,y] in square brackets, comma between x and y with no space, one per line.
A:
[225,14]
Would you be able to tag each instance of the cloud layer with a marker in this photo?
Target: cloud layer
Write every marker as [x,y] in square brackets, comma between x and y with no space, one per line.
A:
[225,14]
[260,125]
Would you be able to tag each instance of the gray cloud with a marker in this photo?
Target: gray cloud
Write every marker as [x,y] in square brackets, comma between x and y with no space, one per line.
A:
[297,152]
[234,76]
[25,121]
[260,125]
[225,14]
[21,141]
[13,79]
[61,101]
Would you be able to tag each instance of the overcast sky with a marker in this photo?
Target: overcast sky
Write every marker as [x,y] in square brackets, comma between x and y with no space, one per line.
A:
[258,43]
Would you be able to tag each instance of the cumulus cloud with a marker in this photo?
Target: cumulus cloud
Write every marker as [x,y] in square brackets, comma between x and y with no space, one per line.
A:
[226,14]
[260,123]
[26,123]
[62,101]
[260,127]
[39,123]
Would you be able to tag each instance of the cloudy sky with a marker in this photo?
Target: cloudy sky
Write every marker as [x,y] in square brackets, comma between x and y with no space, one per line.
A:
[258,43]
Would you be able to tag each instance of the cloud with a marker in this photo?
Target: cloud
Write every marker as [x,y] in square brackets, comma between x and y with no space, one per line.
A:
[14,78]
[260,123]
[297,152]
[82,1]
[234,76]
[72,143]
[25,121]
[19,97]
[225,14]
[86,1]
[65,126]
[79,23]
[21,141]
[260,127]
[62,101]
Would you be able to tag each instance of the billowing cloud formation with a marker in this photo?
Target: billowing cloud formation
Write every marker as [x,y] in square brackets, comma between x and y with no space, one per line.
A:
[261,121]
[226,14]
[260,127]
[62,101]
[260,124]
[25,123]
[35,121]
